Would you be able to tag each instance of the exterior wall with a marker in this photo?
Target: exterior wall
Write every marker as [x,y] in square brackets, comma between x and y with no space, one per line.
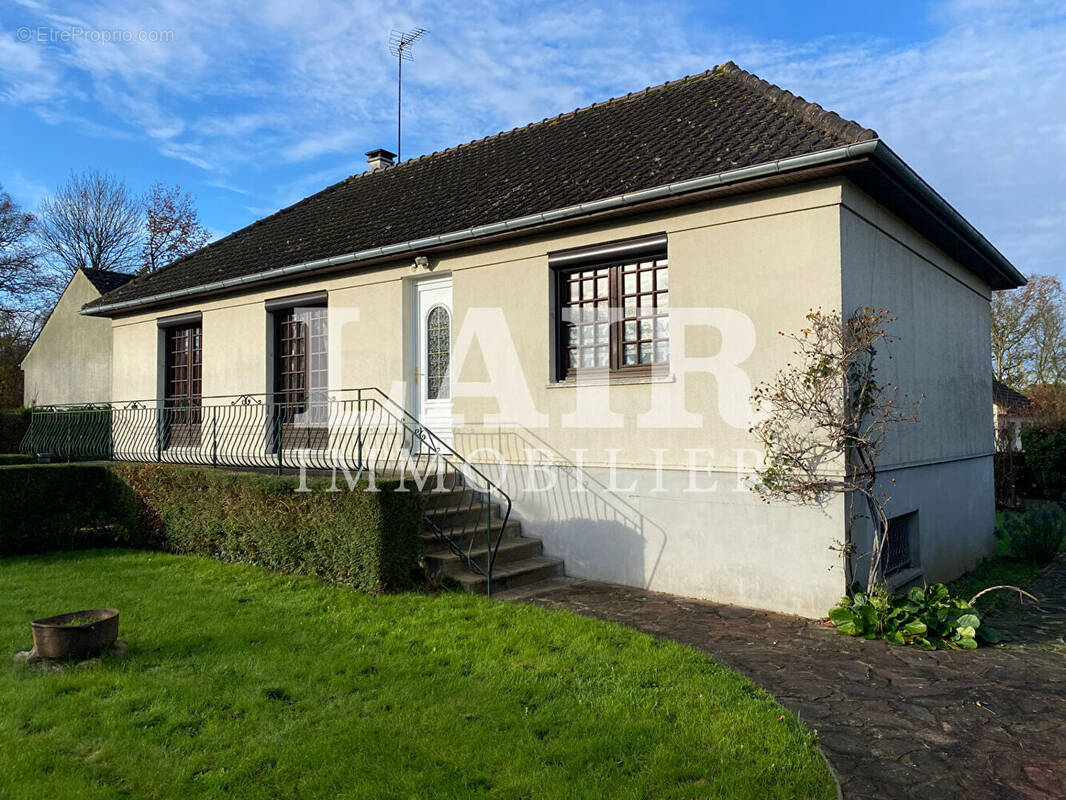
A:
[1008,429]
[706,536]
[942,465]
[70,362]
[749,267]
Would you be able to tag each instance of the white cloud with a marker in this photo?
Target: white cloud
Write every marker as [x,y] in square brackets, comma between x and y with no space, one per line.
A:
[257,84]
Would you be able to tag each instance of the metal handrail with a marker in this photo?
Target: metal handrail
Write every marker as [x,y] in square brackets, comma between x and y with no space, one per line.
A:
[355,430]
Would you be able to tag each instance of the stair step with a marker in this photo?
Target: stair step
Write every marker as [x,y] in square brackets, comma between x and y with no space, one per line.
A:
[451,497]
[461,535]
[512,574]
[510,550]
[456,514]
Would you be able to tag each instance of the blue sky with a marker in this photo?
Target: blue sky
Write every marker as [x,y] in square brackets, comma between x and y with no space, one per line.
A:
[252,105]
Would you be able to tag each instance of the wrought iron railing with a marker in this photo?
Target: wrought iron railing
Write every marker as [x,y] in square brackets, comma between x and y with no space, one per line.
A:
[360,432]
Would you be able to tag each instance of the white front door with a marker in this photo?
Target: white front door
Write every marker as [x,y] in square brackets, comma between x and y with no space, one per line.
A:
[432,381]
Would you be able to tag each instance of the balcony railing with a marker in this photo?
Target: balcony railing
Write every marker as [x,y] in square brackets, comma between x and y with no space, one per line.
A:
[357,431]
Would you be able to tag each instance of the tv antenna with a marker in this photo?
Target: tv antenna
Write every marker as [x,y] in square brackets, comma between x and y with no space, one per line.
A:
[400,44]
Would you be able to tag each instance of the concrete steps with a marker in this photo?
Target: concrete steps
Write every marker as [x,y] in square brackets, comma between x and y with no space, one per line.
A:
[520,560]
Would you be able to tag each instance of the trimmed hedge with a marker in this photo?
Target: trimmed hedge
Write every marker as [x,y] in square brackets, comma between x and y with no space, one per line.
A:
[1045,463]
[9,459]
[368,540]
[13,425]
[1036,534]
[66,507]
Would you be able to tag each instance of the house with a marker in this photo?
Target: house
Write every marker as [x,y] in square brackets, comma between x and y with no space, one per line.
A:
[70,360]
[580,308]
[1011,411]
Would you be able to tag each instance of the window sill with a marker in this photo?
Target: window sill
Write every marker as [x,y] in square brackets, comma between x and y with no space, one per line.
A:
[617,380]
[905,577]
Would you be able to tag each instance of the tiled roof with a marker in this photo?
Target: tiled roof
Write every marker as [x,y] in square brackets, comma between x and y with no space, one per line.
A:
[1009,399]
[722,119]
[106,280]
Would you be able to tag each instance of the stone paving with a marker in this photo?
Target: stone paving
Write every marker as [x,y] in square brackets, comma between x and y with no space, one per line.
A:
[894,722]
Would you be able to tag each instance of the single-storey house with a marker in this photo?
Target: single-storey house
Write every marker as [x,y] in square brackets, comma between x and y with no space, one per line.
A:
[1011,411]
[70,360]
[580,308]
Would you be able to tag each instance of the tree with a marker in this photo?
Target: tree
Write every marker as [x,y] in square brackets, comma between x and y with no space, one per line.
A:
[92,221]
[20,274]
[172,227]
[824,420]
[17,329]
[1029,333]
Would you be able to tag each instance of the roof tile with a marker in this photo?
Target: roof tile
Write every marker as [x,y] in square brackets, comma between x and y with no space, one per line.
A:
[722,119]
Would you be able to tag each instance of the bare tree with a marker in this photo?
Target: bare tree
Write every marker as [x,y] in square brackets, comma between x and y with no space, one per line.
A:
[92,221]
[17,330]
[825,418]
[1029,333]
[172,227]
[20,273]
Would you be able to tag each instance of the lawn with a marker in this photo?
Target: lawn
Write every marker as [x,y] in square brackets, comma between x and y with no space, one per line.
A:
[244,683]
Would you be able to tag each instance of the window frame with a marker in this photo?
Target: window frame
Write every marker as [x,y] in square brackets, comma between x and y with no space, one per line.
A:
[301,414]
[902,547]
[615,265]
[184,420]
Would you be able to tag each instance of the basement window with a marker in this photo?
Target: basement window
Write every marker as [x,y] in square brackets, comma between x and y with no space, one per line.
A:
[612,309]
[901,549]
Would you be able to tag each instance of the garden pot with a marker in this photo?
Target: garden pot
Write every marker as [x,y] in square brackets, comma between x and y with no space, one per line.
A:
[56,637]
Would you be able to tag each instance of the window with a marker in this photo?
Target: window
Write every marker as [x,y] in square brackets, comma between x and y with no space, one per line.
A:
[183,385]
[438,353]
[301,377]
[902,545]
[613,314]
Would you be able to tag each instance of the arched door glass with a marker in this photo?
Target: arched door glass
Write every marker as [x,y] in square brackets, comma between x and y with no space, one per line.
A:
[438,353]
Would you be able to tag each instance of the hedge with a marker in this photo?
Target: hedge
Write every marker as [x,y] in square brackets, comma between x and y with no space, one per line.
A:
[1045,463]
[13,425]
[66,507]
[367,540]
[7,459]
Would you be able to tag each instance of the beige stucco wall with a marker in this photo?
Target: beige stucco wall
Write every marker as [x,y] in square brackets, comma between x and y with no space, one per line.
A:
[749,266]
[71,360]
[942,465]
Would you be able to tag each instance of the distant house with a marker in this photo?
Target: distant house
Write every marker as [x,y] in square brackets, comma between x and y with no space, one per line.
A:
[70,361]
[580,307]
[1011,411]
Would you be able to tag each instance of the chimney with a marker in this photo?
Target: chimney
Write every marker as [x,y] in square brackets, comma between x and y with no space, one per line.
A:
[379,159]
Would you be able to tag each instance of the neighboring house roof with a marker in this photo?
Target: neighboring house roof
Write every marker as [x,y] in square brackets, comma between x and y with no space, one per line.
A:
[701,132]
[103,280]
[106,280]
[1010,400]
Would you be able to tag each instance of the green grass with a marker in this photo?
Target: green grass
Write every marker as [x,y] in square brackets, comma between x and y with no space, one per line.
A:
[1000,569]
[996,571]
[244,683]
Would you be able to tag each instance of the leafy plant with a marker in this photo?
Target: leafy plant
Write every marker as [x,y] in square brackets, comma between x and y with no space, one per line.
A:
[1035,535]
[928,618]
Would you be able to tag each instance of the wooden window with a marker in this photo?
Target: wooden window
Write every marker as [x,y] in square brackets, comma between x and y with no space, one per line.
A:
[302,377]
[184,385]
[614,317]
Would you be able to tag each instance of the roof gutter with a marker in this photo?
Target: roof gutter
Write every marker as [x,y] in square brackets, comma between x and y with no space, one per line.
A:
[874,148]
